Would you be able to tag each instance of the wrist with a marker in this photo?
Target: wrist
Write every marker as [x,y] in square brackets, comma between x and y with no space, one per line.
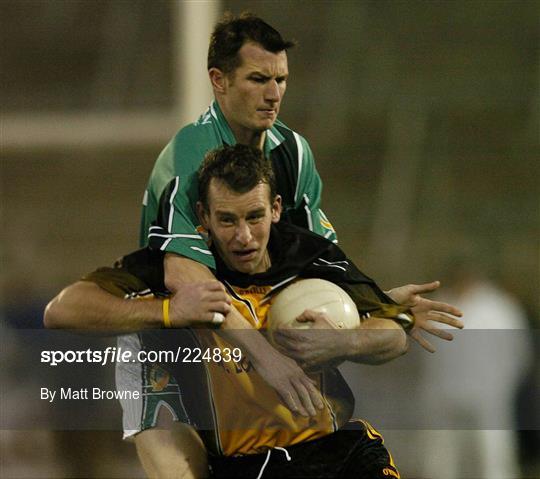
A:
[165,313]
[148,313]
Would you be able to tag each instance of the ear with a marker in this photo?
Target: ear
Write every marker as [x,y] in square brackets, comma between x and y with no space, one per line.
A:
[218,80]
[203,215]
[276,209]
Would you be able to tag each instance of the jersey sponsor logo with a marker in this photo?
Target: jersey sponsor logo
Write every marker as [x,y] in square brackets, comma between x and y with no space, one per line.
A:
[253,290]
[159,378]
[326,224]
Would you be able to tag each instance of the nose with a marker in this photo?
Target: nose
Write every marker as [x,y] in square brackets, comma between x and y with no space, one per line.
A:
[243,233]
[273,91]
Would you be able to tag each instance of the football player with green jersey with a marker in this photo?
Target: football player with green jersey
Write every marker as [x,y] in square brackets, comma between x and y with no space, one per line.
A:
[291,157]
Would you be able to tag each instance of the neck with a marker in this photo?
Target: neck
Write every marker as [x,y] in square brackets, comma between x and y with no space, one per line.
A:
[266,262]
[244,136]
[249,137]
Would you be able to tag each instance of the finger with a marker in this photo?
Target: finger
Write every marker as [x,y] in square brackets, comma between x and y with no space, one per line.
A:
[445,308]
[443,318]
[425,288]
[307,316]
[416,336]
[305,395]
[217,296]
[216,302]
[440,333]
[290,333]
[217,319]
[213,285]
[213,317]
[215,299]
[314,393]
[292,401]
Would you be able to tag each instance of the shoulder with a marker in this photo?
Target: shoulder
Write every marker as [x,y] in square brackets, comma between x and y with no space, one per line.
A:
[289,134]
[306,243]
[194,140]
[185,152]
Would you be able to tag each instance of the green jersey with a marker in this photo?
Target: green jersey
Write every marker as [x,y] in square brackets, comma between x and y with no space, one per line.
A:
[177,229]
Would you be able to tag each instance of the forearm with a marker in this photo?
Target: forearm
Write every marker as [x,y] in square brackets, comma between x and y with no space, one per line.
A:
[179,269]
[377,341]
[85,305]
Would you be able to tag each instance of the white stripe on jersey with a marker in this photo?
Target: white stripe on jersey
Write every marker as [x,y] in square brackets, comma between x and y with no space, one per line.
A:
[300,148]
[160,235]
[308,212]
[212,111]
[138,294]
[272,137]
[128,378]
[207,117]
[165,244]
[171,199]
[200,250]
[331,264]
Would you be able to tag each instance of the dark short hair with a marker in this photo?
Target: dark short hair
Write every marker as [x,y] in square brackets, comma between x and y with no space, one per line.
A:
[240,167]
[232,32]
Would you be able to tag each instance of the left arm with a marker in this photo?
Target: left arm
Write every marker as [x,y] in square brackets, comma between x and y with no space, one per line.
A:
[376,341]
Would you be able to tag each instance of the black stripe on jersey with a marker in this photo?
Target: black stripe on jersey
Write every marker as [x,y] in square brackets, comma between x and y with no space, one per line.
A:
[285,163]
[335,424]
[277,288]
[166,203]
[242,300]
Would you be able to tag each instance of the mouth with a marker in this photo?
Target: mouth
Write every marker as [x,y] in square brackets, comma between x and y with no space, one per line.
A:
[267,111]
[246,254]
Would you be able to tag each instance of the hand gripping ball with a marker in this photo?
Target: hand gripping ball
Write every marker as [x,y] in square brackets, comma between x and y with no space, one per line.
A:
[315,294]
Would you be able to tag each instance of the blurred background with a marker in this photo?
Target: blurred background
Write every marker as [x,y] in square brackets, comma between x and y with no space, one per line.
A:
[424,120]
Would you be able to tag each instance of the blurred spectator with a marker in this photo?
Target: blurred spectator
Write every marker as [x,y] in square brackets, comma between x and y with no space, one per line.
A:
[472,387]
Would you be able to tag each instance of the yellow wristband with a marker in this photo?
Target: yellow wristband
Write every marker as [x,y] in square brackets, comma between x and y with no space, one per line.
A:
[166,319]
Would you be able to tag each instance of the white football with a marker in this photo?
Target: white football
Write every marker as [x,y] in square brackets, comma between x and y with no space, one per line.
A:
[315,294]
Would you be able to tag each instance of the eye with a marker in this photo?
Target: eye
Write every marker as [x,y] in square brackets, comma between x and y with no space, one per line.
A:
[258,79]
[255,218]
[226,220]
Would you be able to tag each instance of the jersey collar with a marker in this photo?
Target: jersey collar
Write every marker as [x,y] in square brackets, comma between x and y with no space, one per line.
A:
[273,137]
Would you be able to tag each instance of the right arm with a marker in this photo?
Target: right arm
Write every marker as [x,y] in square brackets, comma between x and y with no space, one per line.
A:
[86,305]
[375,341]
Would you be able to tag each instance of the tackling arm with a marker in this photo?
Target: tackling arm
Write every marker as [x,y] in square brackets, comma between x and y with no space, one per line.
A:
[87,306]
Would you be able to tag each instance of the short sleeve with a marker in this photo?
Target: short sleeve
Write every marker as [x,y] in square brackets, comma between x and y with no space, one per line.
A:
[174,230]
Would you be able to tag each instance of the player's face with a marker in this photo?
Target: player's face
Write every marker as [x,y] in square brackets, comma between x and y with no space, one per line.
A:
[239,225]
[253,92]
